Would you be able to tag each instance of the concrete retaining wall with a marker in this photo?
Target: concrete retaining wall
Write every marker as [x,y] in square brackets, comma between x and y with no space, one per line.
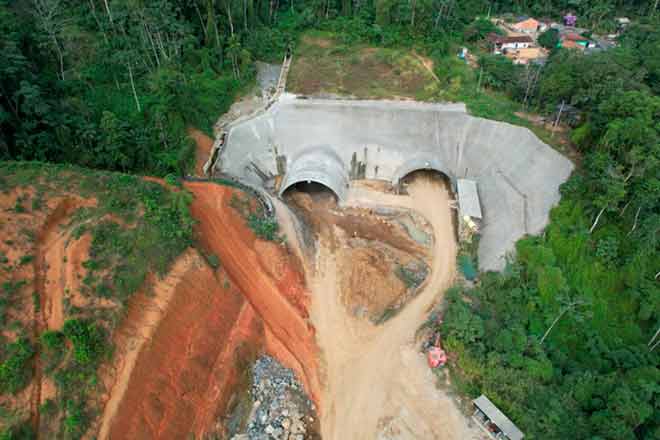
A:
[334,141]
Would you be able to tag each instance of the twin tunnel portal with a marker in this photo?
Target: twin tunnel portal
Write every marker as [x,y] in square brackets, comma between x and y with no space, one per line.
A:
[320,165]
[333,142]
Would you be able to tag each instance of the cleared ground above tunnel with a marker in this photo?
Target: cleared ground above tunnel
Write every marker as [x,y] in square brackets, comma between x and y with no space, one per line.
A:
[335,141]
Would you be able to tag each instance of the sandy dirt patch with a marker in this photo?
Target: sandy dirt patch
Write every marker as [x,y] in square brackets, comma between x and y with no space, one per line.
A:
[376,384]
[377,255]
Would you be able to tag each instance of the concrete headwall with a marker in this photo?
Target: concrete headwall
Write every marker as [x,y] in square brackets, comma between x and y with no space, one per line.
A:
[334,141]
[319,164]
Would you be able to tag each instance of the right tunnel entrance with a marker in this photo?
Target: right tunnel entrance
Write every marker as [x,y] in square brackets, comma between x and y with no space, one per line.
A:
[433,177]
[424,174]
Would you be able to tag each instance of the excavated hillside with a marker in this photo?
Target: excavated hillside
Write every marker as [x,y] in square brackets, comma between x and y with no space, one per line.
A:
[134,308]
[122,320]
[376,384]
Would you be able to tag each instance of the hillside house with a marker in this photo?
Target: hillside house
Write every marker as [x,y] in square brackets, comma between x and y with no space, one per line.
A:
[501,44]
[572,40]
[622,23]
[528,26]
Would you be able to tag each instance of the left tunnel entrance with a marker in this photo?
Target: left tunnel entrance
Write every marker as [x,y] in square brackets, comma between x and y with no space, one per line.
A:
[316,190]
[317,166]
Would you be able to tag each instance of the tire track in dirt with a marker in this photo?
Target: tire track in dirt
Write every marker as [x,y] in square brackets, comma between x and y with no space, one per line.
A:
[377,385]
[48,237]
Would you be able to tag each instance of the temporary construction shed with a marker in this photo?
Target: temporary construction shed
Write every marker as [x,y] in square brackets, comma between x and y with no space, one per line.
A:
[469,209]
[493,421]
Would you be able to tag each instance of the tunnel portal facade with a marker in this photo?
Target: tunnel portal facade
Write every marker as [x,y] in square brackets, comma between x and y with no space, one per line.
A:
[332,142]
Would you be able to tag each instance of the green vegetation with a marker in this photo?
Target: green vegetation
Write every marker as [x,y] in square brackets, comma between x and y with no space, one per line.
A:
[106,88]
[155,224]
[21,430]
[213,260]
[324,65]
[15,372]
[7,297]
[137,227]
[87,339]
[263,226]
[53,349]
[559,341]
[549,39]
[25,259]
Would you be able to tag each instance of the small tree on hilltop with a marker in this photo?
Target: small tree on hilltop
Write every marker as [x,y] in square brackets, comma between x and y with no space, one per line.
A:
[549,39]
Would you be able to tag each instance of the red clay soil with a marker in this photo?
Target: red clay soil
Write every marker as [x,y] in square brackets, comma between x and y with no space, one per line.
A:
[189,355]
[203,148]
[49,284]
[214,324]
[280,299]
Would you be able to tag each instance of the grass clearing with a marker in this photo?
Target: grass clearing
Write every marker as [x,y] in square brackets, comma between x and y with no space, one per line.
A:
[324,66]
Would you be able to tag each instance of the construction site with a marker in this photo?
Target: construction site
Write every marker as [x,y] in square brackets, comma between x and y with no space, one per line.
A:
[311,331]
[375,198]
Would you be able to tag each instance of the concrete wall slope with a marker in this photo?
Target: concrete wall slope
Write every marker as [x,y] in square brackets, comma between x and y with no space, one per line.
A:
[333,141]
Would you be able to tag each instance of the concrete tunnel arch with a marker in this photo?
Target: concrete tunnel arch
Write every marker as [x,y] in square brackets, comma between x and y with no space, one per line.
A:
[319,164]
[427,161]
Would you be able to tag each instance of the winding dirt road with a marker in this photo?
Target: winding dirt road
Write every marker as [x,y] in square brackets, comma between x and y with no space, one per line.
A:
[376,384]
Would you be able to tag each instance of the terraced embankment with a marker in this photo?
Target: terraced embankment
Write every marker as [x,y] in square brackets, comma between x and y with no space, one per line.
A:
[190,354]
[208,324]
[266,275]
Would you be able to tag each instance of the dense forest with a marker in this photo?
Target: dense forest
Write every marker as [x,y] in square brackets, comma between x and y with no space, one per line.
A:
[563,340]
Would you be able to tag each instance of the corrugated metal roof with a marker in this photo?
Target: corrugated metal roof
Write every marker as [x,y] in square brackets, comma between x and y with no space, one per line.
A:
[496,416]
[468,198]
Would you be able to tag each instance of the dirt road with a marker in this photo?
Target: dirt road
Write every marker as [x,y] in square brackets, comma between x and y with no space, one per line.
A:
[375,383]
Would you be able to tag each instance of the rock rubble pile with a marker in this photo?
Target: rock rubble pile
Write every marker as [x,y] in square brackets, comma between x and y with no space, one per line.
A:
[281,409]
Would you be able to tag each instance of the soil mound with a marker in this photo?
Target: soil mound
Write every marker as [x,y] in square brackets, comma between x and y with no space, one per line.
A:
[203,149]
[190,377]
[384,252]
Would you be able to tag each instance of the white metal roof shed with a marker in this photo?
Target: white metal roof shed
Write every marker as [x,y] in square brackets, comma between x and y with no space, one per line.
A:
[497,417]
[468,198]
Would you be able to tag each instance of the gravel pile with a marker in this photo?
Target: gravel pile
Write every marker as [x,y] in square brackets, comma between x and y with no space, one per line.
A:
[281,408]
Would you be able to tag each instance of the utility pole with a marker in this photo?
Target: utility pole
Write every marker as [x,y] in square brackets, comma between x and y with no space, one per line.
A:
[554,126]
[481,71]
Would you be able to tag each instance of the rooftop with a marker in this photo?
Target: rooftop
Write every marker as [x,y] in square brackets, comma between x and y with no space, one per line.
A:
[509,39]
[574,37]
[468,198]
[496,416]
[529,24]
